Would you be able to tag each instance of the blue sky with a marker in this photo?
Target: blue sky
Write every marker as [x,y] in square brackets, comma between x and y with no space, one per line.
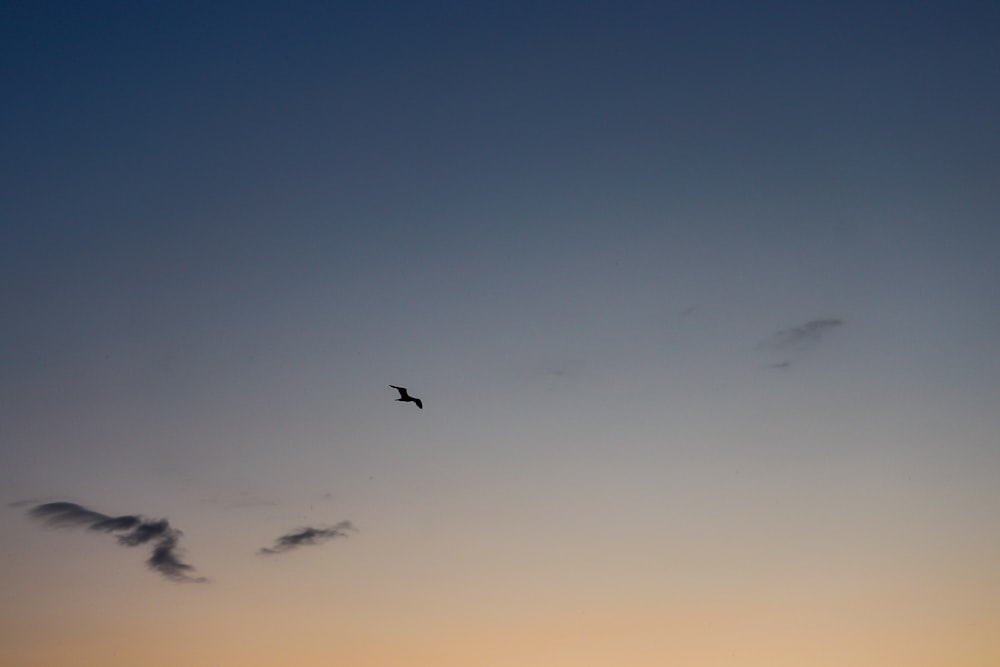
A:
[592,237]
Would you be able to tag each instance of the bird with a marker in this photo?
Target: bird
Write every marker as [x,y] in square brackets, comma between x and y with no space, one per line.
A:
[405,397]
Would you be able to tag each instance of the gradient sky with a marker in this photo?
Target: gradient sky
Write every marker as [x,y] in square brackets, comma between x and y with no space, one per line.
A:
[703,301]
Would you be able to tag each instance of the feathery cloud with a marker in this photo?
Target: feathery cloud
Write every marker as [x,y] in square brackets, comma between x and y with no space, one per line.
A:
[803,336]
[306,537]
[130,530]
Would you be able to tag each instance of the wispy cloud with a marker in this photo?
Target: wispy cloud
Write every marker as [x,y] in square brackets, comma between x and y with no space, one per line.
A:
[803,336]
[797,341]
[131,530]
[306,537]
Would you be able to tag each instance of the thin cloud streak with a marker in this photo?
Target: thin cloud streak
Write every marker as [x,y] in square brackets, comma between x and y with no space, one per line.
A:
[803,336]
[131,531]
[307,536]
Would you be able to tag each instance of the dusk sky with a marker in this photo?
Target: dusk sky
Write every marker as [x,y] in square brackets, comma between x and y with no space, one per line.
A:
[702,301]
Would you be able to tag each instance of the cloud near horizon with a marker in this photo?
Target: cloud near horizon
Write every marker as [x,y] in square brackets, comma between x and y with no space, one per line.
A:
[307,536]
[131,530]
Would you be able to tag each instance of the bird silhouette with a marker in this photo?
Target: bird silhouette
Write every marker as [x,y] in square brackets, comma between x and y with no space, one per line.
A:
[405,397]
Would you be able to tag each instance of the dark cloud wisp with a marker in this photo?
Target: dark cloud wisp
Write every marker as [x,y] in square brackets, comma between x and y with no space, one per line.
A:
[130,531]
[803,336]
[306,537]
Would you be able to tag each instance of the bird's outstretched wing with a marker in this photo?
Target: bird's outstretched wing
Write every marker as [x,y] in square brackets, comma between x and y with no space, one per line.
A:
[401,390]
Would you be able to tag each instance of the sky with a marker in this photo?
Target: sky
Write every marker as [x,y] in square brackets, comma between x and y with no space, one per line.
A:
[701,300]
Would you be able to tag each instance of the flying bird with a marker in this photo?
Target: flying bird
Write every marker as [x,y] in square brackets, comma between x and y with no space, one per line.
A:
[406,398]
